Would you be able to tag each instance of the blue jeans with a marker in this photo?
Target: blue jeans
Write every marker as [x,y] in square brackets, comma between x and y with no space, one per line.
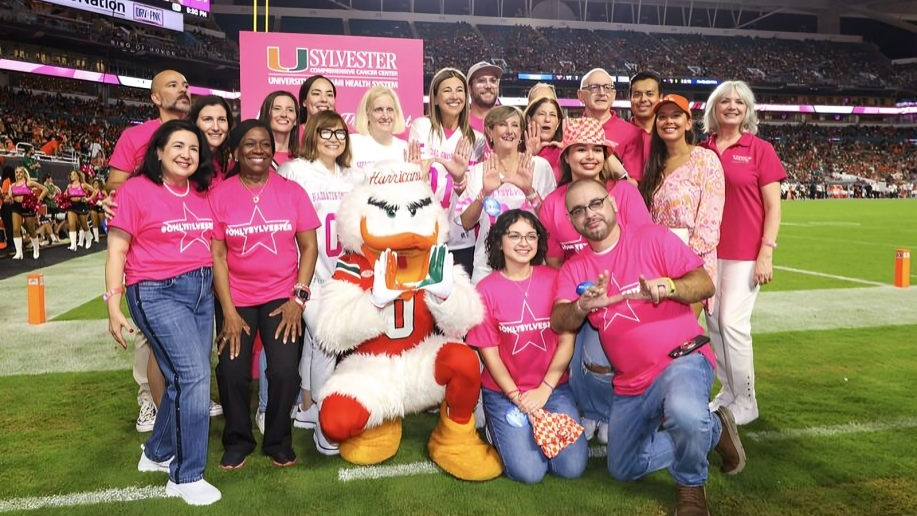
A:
[176,315]
[591,391]
[523,460]
[677,399]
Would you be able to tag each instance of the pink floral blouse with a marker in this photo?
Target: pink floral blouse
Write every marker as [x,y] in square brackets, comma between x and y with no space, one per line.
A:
[691,197]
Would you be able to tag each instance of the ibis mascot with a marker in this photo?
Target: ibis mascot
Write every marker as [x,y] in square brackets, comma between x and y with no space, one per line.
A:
[396,310]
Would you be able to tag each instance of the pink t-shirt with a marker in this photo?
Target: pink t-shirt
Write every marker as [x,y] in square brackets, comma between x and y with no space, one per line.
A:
[629,140]
[552,155]
[563,240]
[131,146]
[170,235]
[748,165]
[262,252]
[636,335]
[279,159]
[219,174]
[517,318]
[647,140]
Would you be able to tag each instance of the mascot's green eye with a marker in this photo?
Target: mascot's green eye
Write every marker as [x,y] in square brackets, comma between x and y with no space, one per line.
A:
[390,213]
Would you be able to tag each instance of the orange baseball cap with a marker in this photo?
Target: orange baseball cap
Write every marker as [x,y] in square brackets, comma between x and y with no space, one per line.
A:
[678,100]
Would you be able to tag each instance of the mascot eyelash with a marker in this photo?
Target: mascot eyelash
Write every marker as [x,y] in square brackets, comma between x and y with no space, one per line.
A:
[390,209]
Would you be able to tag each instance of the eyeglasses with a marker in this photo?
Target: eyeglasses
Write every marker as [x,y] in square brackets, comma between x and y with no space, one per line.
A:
[326,134]
[595,205]
[517,237]
[595,88]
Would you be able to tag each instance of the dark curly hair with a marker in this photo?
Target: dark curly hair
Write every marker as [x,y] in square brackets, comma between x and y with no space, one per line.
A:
[152,167]
[493,244]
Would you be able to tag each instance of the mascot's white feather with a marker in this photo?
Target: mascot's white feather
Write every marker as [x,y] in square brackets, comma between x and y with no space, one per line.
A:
[343,304]
[461,311]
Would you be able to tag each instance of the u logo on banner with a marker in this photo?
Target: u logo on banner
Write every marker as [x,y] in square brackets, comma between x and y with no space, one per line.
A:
[301,65]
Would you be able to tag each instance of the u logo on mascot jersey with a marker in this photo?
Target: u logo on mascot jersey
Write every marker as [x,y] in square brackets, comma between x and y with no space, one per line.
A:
[301,64]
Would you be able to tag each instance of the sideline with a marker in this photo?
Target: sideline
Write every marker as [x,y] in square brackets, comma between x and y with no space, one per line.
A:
[832,276]
[124,494]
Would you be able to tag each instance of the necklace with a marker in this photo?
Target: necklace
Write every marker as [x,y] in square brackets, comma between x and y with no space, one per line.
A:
[255,196]
[528,284]
[187,189]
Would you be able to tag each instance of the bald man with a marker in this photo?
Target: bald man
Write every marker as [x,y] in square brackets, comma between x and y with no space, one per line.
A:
[597,93]
[169,92]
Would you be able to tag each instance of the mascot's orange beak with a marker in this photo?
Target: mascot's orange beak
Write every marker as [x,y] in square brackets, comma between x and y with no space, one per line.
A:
[413,251]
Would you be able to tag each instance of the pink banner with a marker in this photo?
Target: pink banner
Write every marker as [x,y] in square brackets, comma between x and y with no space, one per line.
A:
[273,61]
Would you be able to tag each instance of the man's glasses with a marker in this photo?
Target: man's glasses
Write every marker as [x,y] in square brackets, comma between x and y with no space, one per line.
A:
[595,205]
[517,237]
[326,134]
[596,88]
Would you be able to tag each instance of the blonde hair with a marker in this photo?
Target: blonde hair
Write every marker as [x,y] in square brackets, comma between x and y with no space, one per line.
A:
[541,85]
[749,123]
[501,114]
[362,119]
[25,172]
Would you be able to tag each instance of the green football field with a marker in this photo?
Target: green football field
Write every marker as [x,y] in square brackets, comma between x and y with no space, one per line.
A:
[836,365]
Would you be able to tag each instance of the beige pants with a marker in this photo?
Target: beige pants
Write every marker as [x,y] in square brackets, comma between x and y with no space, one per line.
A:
[141,360]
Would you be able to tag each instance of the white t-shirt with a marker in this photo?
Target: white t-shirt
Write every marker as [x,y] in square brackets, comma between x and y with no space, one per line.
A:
[443,146]
[509,196]
[367,151]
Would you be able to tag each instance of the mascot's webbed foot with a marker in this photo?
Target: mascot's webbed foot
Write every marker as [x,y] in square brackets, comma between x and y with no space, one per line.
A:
[459,451]
[374,445]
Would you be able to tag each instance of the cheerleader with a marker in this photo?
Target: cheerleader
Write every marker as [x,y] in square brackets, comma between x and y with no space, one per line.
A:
[78,192]
[25,204]
[95,207]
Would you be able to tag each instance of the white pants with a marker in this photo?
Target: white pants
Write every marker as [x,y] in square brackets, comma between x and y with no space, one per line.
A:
[730,328]
[316,365]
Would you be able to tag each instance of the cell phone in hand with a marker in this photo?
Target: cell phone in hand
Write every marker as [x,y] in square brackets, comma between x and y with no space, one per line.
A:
[689,346]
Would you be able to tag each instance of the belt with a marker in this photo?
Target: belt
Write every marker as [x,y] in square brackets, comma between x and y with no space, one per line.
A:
[598,369]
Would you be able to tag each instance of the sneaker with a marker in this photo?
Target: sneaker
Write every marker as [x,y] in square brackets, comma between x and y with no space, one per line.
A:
[722,399]
[284,459]
[324,446]
[259,421]
[730,447]
[589,428]
[305,418]
[194,493]
[147,417]
[601,433]
[232,460]
[148,465]
[744,410]
[691,501]
[215,409]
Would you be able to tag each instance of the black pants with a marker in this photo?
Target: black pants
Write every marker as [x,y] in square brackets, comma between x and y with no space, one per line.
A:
[234,378]
[6,213]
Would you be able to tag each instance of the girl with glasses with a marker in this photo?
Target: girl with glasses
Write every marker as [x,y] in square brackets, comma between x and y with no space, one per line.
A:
[525,361]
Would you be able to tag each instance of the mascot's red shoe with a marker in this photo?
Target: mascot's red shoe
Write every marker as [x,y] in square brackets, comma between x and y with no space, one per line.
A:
[390,292]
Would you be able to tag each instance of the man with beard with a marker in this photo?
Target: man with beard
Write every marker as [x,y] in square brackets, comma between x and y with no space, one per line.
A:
[169,92]
[597,93]
[663,368]
[645,93]
[484,87]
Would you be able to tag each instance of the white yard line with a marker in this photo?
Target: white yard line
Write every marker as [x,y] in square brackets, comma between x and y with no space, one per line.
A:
[396,470]
[832,276]
[854,427]
[124,494]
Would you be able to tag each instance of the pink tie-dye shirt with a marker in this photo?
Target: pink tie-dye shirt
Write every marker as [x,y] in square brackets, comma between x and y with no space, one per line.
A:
[691,197]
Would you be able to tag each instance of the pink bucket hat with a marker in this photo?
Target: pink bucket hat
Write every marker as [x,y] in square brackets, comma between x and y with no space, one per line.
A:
[585,131]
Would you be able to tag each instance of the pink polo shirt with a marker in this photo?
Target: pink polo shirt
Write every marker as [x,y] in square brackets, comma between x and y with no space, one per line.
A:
[131,146]
[647,140]
[629,142]
[748,165]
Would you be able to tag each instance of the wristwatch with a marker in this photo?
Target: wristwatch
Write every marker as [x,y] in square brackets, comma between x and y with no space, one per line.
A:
[301,294]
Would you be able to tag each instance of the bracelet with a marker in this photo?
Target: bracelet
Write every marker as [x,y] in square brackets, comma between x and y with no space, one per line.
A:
[671,286]
[117,290]
[624,176]
[548,384]
[532,197]
[460,184]
[769,243]
[510,393]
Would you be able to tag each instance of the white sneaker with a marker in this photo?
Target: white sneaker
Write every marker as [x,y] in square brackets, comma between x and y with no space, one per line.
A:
[724,398]
[601,433]
[215,409]
[744,410]
[305,418]
[147,416]
[259,421]
[147,465]
[324,446]
[589,428]
[194,493]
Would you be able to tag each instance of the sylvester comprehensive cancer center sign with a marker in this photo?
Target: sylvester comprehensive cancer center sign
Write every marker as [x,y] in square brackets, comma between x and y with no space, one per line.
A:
[277,61]
[128,10]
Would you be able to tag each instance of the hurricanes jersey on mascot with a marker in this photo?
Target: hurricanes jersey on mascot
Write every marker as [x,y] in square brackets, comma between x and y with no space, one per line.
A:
[397,307]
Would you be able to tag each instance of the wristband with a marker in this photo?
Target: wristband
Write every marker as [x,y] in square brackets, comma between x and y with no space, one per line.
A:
[117,290]
[458,185]
[624,176]
[510,393]
[548,384]
[671,286]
